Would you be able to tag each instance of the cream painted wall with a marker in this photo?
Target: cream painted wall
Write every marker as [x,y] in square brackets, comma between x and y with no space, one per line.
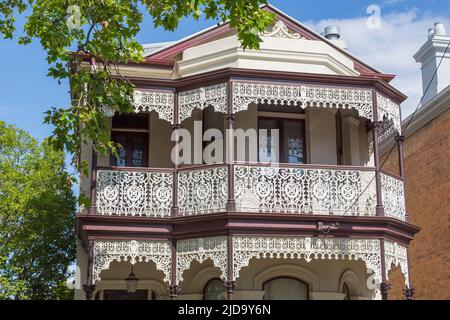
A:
[80,272]
[278,54]
[321,136]
[160,145]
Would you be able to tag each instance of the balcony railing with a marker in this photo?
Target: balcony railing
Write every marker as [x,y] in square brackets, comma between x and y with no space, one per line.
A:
[202,190]
[134,193]
[393,195]
[305,190]
[283,189]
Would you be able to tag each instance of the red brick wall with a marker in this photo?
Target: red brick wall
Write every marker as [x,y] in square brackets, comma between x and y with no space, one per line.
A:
[427,181]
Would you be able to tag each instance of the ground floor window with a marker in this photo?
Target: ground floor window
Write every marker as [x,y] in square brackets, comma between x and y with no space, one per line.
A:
[214,290]
[285,289]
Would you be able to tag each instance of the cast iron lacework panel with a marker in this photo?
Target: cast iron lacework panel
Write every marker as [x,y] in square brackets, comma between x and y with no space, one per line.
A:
[202,191]
[134,193]
[396,256]
[246,248]
[161,102]
[305,191]
[389,114]
[201,250]
[302,96]
[393,195]
[107,251]
[202,98]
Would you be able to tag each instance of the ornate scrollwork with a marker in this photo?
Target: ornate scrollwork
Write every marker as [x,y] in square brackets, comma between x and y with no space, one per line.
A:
[389,114]
[302,96]
[161,102]
[107,251]
[134,193]
[396,256]
[201,250]
[246,248]
[310,191]
[203,191]
[202,98]
[393,195]
[280,30]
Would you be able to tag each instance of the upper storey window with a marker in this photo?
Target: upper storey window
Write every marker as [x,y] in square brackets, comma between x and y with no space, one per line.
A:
[289,145]
[131,132]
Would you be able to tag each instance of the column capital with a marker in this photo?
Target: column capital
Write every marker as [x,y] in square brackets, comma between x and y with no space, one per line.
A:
[409,293]
[376,125]
[230,117]
[89,291]
[384,288]
[176,126]
[399,139]
[173,291]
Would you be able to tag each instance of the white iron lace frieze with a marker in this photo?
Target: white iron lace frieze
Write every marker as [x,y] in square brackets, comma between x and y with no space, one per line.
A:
[134,193]
[389,113]
[396,256]
[305,191]
[202,98]
[393,195]
[302,96]
[280,30]
[107,251]
[161,102]
[246,248]
[202,191]
[201,250]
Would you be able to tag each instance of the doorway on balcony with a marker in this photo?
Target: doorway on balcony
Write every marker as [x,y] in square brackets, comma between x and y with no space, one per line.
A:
[131,131]
[289,145]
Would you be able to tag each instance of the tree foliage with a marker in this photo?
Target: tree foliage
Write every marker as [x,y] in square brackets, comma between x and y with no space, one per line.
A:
[106,30]
[37,218]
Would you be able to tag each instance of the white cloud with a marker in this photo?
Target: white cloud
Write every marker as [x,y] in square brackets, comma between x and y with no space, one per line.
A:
[5,110]
[390,48]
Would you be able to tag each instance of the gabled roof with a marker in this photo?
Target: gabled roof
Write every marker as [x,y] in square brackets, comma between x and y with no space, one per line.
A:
[221,30]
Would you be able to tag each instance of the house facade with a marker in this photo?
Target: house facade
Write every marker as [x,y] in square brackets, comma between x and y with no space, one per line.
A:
[291,203]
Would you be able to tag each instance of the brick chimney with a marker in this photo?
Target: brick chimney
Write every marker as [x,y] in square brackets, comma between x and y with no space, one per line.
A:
[429,56]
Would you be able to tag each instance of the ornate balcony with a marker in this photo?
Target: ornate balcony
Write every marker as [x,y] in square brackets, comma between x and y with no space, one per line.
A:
[259,189]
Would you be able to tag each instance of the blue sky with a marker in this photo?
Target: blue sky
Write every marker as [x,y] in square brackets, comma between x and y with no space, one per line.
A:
[26,92]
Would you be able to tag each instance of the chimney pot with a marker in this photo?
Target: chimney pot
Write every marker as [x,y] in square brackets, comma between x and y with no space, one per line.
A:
[332,32]
[439,29]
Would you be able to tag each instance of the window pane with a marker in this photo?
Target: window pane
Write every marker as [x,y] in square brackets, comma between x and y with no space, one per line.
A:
[294,142]
[268,140]
[214,290]
[121,160]
[137,153]
[285,289]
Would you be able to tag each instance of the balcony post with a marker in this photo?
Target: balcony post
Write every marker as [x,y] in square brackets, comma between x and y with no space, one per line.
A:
[400,140]
[176,126]
[384,285]
[93,208]
[230,284]
[89,287]
[376,127]
[231,118]
[173,287]
[176,150]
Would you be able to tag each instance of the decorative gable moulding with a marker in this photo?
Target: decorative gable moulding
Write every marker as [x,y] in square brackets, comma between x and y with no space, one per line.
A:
[280,30]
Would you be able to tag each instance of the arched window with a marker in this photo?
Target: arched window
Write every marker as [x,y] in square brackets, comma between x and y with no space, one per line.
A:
[285,288]
[214,290]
